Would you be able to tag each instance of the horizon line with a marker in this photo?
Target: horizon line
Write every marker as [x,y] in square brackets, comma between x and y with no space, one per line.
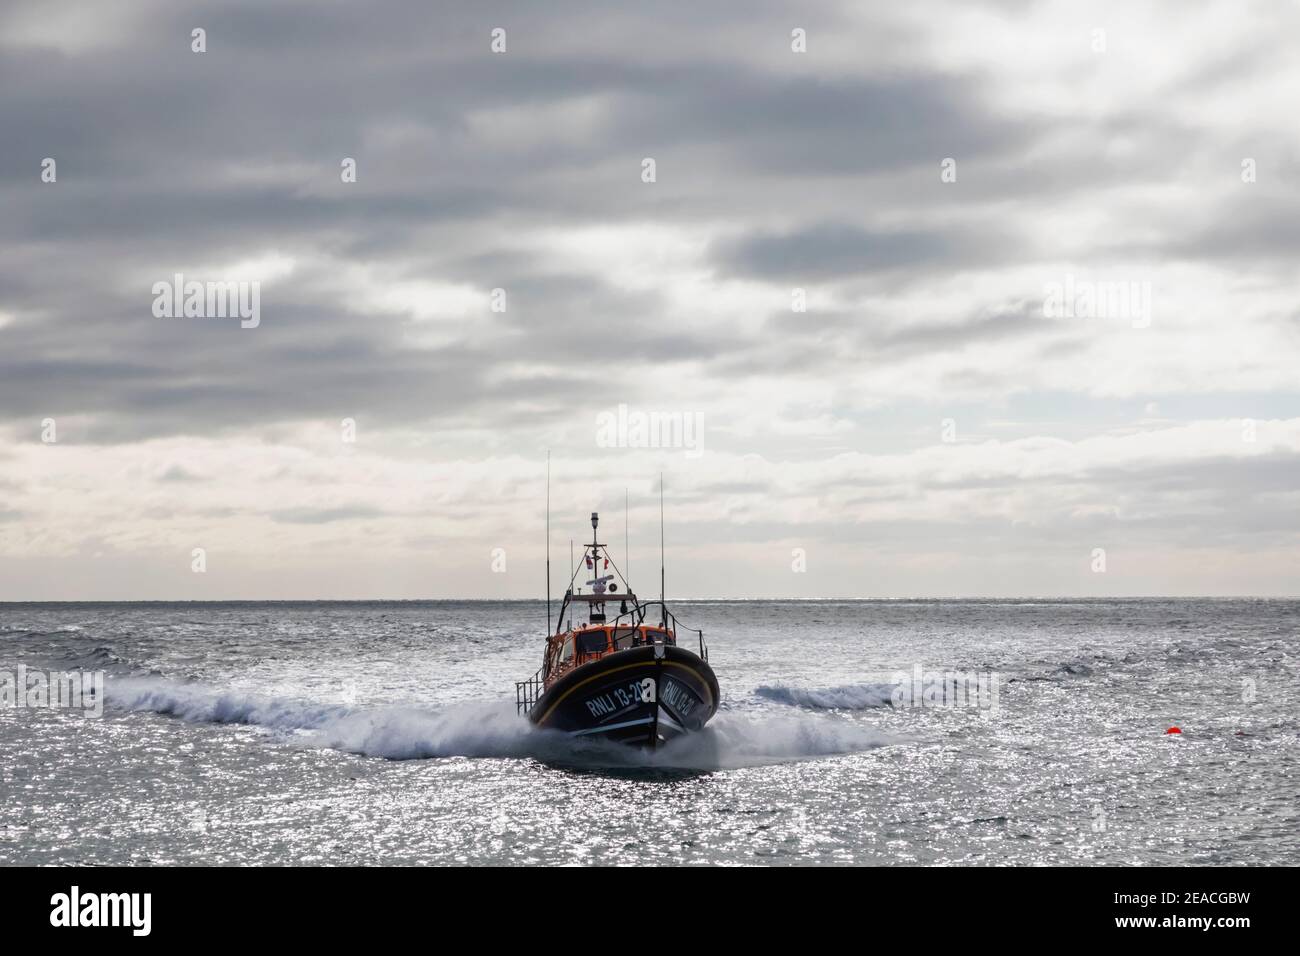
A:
[683,600]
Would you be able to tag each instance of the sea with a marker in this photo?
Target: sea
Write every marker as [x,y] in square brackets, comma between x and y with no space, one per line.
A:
[880,733]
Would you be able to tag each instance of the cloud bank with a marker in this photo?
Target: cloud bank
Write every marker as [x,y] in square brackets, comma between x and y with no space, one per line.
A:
[839,270]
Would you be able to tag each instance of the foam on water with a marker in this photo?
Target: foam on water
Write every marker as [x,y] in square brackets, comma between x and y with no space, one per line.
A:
[846,697]
[486,729]
[731,741]
[201,703]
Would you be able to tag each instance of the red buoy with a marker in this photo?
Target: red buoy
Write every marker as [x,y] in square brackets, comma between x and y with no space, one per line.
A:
[1173,730]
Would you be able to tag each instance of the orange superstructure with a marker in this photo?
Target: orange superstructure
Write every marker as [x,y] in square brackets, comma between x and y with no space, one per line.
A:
[564,652]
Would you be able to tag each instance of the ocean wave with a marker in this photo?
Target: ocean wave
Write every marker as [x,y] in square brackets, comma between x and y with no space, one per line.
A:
[730,742]
[25,632]
[487,729]
[470,729]
[1058,672]
[846,697]
[201,703]
[99,658]
[1075,669]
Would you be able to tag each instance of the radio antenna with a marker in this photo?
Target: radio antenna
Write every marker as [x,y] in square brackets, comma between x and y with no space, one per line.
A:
[627,551]
[661,540]
[548,541]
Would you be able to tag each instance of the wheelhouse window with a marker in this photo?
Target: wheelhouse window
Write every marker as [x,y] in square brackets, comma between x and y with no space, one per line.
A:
[624,637]
[566,651]
[593,642]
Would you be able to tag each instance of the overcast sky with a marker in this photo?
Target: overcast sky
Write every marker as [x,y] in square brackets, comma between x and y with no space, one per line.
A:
[924,428]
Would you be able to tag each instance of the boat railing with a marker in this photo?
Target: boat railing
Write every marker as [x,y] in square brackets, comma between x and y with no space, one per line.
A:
[527,692]
[639,614]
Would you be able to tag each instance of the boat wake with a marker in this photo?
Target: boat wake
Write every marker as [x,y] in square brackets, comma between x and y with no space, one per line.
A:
[474,729]
[847,697]
[731,741]
[488,729]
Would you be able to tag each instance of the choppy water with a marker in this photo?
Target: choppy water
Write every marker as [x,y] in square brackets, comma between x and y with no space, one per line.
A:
[385,733]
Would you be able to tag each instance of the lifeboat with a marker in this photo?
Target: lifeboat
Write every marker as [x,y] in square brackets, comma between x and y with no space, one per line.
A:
[629,674]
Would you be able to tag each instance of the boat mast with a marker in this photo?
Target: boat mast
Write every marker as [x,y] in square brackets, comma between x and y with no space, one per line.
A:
[662,605]
[548,541]
[598,586]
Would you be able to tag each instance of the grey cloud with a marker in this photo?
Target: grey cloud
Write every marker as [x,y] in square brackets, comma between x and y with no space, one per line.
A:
[179,474]
[149,138]
[838,250]
[325,515]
